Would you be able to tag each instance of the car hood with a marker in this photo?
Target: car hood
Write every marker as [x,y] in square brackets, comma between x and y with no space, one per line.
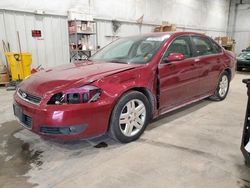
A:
[61,77]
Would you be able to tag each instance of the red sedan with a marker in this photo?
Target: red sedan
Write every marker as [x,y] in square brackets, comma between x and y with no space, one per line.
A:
[123,86]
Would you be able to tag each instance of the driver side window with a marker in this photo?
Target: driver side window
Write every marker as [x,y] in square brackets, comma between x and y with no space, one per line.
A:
[179,45]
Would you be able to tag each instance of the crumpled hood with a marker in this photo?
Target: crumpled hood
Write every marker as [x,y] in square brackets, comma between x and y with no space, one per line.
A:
[63,76]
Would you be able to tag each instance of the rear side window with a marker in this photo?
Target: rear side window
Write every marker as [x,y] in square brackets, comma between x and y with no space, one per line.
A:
[203,46]
[179,45]
[217,48]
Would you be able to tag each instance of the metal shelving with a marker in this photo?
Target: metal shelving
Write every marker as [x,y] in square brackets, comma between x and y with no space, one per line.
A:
[82,39]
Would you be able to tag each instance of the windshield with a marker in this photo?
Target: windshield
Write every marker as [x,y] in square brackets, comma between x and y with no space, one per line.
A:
[244,55]
[131,50]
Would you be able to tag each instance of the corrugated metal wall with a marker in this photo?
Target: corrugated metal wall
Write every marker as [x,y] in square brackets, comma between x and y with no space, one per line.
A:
[50,50]
[105,33]
[242,27]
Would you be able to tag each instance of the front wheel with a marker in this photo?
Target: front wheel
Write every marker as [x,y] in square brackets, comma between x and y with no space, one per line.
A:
[222,88]
[130,117]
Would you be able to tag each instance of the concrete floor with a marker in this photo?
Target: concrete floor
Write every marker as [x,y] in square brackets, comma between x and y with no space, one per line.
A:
[197,146]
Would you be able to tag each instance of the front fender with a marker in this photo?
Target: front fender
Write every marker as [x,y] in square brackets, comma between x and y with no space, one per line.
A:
[115,86]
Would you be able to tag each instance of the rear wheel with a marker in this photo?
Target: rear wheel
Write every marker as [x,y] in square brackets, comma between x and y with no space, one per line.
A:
[130,117]
[222,88]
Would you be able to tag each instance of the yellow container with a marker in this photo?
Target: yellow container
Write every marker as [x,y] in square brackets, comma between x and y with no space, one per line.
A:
[19,65]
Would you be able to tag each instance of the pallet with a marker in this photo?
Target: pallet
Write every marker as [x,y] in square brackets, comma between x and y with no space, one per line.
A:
[4,84]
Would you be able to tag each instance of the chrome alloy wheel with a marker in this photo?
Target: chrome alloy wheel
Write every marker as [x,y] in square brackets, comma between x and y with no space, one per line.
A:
[132,117]
[223,86]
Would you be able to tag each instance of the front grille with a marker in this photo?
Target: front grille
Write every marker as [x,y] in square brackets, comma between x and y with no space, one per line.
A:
[67,130]
[50,130]
[27,121]
[28,97]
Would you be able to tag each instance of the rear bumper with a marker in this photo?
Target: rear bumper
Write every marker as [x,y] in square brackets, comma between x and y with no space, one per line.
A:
[64,122]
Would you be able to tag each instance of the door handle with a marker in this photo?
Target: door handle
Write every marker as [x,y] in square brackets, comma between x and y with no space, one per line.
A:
[197,59]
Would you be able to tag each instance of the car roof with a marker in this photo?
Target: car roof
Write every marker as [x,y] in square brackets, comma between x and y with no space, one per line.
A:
[173,33]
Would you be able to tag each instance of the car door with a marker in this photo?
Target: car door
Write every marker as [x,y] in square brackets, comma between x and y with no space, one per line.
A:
[178,80]
[209,61]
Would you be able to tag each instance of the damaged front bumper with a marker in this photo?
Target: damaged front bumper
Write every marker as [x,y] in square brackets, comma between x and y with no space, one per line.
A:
[64,122]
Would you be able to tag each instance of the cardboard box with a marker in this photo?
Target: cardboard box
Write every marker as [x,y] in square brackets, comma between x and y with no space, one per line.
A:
[4,78]
[158,29]
[3,69]
[165,28]
[225,40]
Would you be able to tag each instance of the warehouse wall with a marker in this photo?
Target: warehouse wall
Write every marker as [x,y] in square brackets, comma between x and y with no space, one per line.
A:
[238,24]
[49,50]
[196,14]
[242,27]
[106,35]
[199,14]
[153,10]
[205,16]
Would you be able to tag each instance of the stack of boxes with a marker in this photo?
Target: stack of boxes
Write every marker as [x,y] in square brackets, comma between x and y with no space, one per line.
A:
[4,76]
[165,27]
[227,42]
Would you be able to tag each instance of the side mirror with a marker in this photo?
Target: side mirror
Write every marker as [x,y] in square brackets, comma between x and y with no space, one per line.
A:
[174,57]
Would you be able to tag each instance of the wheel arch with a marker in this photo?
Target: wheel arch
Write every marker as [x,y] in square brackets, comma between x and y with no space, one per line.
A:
[229,71]
[150,97]
[146,92]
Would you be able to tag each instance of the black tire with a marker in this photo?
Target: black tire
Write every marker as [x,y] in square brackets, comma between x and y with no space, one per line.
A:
[247,164]
[218,95]
[239,68]
[115,129]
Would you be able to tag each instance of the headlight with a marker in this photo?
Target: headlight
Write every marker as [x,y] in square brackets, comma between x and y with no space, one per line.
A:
[85,94]
[57,99]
